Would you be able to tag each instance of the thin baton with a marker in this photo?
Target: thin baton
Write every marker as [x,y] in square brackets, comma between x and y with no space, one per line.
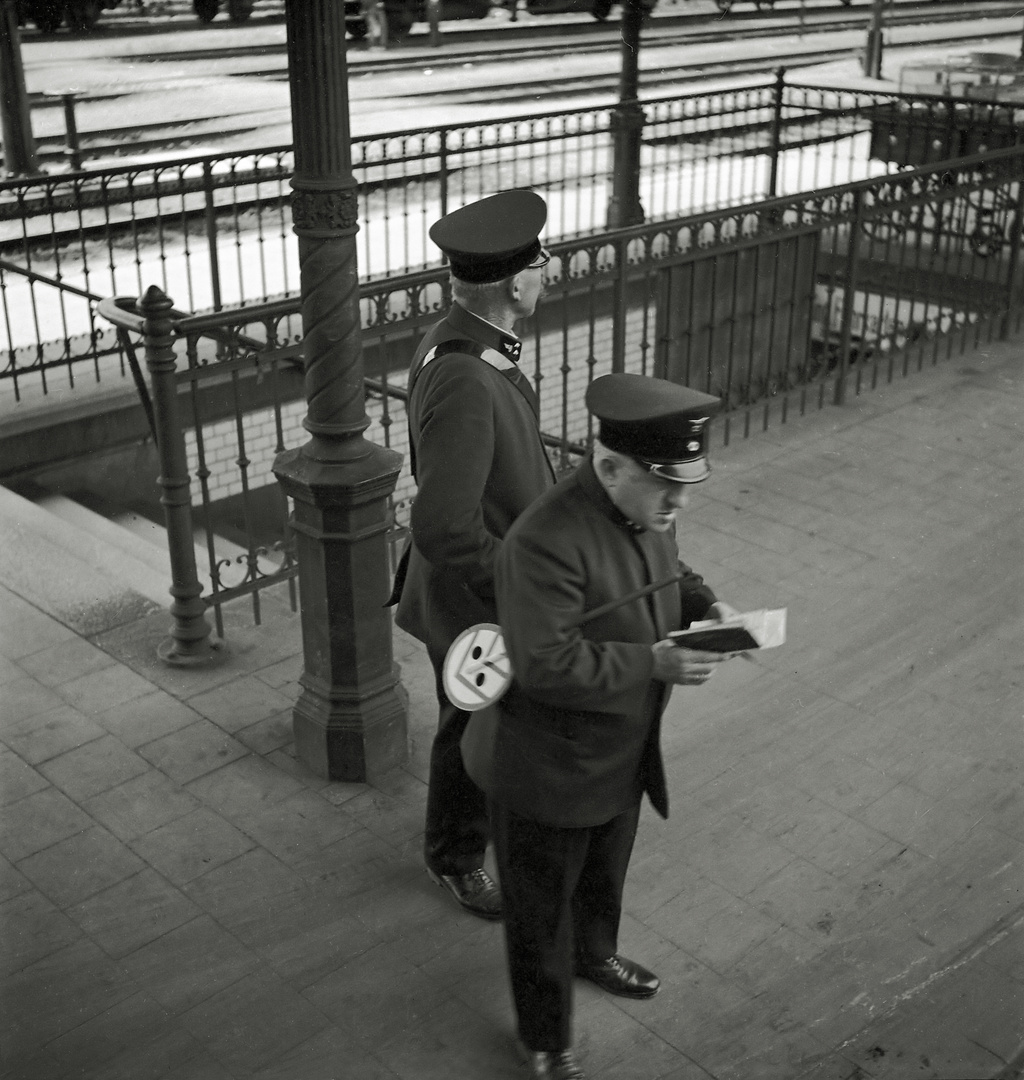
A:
[627,599]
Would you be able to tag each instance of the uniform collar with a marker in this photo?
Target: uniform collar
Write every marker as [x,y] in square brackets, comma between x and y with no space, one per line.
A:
[596,493]
[485,332]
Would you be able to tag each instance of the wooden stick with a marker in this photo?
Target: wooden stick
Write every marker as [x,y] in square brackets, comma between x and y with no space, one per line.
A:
[628,599]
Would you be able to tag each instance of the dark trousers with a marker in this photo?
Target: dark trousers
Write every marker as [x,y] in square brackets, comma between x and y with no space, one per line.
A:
[457,828]
[562,898]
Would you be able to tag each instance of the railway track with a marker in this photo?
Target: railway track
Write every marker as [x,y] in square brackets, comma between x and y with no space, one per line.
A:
[665,42]
[667,29]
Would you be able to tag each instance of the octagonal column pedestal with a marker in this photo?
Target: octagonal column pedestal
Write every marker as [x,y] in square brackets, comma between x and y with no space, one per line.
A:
[350,719]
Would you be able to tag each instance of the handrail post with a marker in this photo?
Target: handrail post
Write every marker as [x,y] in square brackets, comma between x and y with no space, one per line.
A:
[849,285]
[434,22]
[73,150]
[189,643]
[621,306]
[211,235]
[776,133]
[442,169]
[1013,263]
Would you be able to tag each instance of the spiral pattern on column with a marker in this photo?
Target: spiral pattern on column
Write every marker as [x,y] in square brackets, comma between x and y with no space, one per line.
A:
[332,337]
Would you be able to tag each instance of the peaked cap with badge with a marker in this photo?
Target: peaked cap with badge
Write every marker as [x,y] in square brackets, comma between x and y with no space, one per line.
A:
[494,238]
[660,424]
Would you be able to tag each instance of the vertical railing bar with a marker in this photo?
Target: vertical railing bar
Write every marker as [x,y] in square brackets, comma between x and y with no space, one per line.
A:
[620,246]
[203,476]
[849,287]
[776,132]
[1014,260]
[243,462]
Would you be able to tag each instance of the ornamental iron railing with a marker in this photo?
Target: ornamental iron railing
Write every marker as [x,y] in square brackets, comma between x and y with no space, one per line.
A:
[215,231]
[778,308]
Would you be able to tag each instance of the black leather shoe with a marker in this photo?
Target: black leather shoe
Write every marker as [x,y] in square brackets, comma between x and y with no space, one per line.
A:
[620,976]
[551,1064]
[475,891]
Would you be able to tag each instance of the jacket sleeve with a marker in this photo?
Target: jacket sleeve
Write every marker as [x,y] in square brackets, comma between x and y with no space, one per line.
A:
[540,596]
[454,456]
[694,596]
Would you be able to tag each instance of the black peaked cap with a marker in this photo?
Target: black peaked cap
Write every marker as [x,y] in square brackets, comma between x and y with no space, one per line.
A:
[657,422]
[494,238]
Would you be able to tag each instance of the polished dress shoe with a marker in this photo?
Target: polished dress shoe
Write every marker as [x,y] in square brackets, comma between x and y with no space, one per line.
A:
[552,1064]
[475,891]
[620,976]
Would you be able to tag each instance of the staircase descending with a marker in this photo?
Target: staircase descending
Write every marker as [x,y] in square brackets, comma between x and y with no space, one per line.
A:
[93,567]
[76,565]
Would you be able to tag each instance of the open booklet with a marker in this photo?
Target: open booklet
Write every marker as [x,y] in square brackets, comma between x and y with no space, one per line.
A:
[742,633]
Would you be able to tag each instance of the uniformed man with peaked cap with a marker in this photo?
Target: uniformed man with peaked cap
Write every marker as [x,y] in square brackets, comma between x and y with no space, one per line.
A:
[478,461]
[568,753]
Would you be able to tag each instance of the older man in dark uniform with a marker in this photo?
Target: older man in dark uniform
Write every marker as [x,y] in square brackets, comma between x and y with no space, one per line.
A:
[478,460]
[574,744]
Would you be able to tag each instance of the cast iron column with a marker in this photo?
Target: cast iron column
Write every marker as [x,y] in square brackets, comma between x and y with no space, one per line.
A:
[627,124]
[350,719]
[15,124]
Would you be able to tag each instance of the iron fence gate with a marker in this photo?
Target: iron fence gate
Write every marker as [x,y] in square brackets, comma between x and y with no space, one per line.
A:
[215,231]
[777,308]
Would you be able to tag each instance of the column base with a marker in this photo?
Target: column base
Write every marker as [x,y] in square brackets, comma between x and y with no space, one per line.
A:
[353,740]
[203,653]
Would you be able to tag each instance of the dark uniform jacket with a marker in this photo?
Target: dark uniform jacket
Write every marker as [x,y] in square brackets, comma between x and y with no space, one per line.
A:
[575,740]
[478,460]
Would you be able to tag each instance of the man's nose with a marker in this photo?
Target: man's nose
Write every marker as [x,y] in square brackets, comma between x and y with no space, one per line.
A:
[678,498]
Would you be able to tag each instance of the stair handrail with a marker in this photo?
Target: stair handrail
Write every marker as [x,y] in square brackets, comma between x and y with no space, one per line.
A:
[127,345]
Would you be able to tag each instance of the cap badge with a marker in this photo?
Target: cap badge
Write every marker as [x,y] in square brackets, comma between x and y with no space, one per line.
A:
[693,446]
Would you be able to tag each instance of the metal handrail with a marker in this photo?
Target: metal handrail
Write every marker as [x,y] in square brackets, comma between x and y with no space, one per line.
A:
[126,343]
[33,275]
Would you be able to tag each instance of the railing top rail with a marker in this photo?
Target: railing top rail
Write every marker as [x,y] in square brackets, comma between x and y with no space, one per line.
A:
[122,311]
[767,208]
[171,164]
[906,95]
[221,324]
[109,172]
[63,286]
[217,161]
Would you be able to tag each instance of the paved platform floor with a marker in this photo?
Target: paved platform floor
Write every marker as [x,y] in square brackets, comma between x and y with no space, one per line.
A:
[836,895]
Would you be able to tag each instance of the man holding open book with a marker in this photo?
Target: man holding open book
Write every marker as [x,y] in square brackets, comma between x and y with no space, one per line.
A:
[567,754]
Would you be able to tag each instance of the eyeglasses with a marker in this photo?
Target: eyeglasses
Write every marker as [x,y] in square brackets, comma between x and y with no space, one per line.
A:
[541,261]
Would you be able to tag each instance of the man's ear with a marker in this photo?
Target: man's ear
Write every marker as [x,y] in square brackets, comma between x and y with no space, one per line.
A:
[607,469]
[514,291]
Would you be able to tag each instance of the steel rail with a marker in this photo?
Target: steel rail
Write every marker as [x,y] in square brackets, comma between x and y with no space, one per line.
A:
[663,31]
[109,141]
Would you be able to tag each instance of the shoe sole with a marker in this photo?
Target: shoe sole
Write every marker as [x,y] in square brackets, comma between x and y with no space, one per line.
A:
[480,914]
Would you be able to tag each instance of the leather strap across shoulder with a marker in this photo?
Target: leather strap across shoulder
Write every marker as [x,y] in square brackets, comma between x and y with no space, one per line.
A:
[468,347]
[492,357]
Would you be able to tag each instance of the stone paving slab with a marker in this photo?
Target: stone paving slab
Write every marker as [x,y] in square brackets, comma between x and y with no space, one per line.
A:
[836,896]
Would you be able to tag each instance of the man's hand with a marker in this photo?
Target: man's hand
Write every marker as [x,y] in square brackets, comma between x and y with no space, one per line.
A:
[721,611]
[684,667]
